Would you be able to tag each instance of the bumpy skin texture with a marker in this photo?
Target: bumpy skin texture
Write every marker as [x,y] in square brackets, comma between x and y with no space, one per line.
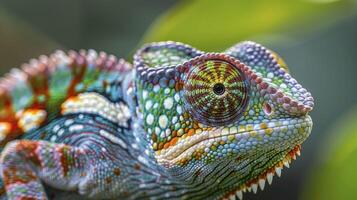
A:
[180,124]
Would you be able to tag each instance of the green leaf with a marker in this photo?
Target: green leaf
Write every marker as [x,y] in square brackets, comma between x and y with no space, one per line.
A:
[216,25]
[335,177]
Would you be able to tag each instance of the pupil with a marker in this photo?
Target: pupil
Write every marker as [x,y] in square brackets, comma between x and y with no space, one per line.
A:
[218,89]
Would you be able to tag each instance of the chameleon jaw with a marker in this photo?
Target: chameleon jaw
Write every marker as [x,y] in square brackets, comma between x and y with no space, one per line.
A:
[289,151]
[267,176]
[298,130]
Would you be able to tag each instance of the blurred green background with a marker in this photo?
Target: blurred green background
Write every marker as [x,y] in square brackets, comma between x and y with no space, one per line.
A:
[316,38]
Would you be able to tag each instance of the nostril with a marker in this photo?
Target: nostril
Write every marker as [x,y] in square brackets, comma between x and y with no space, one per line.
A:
[268,110]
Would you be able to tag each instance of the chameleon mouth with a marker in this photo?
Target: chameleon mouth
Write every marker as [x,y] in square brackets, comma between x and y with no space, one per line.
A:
[298,129]
[267,176]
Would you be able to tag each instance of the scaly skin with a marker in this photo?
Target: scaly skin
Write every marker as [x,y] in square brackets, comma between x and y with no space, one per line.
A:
[180,124]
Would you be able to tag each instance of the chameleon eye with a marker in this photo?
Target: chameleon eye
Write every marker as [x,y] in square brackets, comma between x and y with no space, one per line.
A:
[215,90]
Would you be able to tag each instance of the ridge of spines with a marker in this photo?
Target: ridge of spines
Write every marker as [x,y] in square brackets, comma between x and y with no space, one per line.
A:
[27,88]
[267,176]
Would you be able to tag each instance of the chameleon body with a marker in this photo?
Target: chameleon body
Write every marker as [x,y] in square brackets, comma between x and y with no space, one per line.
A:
[179,124]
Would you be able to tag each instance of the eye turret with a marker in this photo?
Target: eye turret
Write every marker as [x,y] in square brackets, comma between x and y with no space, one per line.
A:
[215,90]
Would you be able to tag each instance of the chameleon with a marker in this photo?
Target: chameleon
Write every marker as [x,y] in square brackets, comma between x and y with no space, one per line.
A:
[177,123]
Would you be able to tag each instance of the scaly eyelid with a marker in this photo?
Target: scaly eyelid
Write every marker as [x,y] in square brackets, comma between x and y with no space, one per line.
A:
[200,75]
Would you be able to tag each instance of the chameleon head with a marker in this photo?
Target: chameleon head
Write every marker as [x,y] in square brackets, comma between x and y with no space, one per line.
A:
[236,116]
